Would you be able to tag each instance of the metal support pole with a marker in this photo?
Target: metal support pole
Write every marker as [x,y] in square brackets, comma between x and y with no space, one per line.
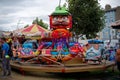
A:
[59,2]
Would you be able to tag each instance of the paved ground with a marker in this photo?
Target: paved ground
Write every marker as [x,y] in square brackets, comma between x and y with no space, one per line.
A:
[108,75]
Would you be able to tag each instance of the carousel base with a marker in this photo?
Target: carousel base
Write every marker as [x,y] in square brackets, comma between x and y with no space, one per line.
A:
[67,68]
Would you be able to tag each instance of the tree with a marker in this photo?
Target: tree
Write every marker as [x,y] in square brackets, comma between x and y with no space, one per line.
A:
[40,22]
[87,17]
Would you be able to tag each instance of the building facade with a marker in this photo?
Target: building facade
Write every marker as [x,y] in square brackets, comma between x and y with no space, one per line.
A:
[111,15]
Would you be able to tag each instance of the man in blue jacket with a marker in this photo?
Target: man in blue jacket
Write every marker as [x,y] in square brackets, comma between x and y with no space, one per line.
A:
[5,58]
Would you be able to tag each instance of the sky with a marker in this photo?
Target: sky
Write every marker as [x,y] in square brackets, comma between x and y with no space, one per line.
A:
[15,14]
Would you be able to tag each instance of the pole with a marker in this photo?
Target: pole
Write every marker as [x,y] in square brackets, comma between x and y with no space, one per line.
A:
[59,2]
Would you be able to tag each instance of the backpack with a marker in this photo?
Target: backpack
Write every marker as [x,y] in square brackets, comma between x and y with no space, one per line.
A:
[10,53]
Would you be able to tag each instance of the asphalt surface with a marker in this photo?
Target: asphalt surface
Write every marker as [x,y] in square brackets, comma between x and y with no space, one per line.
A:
[96,75]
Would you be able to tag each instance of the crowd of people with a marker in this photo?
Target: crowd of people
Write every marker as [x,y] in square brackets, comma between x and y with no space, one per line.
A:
[6,48]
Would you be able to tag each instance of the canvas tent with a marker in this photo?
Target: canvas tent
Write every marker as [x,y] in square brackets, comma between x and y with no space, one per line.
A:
[34,30]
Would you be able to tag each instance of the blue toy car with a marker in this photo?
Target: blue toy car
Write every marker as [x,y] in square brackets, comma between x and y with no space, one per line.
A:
[95,51]
[30,45]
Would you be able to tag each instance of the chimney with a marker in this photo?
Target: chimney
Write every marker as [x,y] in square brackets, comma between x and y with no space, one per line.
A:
[107,7]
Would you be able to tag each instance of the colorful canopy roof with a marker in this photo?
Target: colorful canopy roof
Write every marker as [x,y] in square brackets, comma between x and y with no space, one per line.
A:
[34,29]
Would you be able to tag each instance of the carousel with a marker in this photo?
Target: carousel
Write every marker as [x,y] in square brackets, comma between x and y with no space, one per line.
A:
[55,52]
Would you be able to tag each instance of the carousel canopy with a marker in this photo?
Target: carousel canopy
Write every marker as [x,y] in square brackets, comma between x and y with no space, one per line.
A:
[34,30]
[116,25]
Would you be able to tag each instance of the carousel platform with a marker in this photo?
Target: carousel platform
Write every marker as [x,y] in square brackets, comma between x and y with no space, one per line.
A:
[66,68]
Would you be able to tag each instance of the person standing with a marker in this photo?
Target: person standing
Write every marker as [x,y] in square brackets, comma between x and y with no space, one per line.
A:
[0,51]
[23,39]
[6,68]
[118,60]
[15,47]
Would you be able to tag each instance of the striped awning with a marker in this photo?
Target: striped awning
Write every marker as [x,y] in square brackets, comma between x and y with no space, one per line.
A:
[34,29]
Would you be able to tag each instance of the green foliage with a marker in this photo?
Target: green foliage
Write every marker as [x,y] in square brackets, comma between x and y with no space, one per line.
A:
[40,22]
[87,17]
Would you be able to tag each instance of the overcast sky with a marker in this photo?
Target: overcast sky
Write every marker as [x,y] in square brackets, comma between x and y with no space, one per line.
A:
[18,13]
